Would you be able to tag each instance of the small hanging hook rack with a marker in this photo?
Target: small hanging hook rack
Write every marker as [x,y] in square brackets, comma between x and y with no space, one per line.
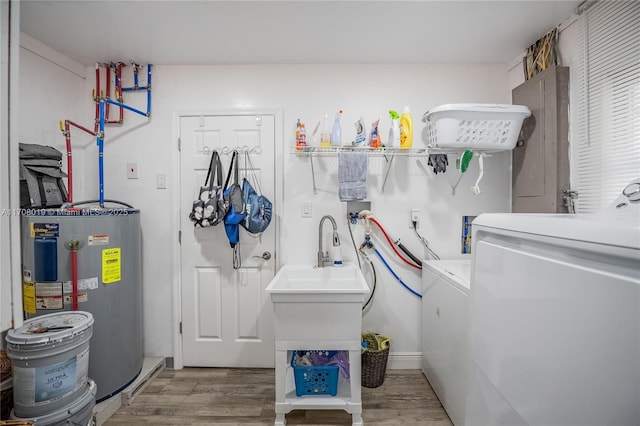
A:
[228,150]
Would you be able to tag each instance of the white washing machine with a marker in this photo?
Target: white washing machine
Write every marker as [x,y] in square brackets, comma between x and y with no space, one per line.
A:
[445,304]
[554,333]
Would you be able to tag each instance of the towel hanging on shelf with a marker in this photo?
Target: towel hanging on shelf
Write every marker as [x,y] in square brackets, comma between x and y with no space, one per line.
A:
[352,175]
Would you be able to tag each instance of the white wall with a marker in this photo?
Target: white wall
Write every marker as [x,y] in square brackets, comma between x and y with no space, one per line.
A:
[306,92]
[49,94]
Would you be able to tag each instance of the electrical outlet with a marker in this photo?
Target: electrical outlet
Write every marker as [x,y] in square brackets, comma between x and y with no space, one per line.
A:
[415,217]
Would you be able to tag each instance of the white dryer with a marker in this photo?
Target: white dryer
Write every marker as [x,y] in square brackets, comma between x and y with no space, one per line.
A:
[554,333]
[445,305]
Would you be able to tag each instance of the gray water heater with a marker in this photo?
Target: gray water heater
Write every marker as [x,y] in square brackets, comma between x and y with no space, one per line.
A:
[107,246]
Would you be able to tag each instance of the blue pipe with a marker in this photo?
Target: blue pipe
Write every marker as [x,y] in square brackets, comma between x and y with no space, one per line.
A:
[115,66]
[395,275]
[137,88]
[148,90]
[137,111]
[101,153]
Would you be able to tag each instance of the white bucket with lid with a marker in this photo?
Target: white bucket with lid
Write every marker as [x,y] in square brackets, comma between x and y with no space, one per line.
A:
[78,413]
[50,357]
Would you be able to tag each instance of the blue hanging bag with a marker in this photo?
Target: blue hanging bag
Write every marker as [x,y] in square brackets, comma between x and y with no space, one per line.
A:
[258,207]
[233,198]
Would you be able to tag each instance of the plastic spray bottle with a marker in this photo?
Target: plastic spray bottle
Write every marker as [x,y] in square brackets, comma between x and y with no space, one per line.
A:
[406,129]
[301,136]
[325,133]
[394,131]
[336,131]
[361,133]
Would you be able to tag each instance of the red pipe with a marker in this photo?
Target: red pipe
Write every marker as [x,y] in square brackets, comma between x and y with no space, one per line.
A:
[66,131]
[74,279]
[96,98]
[107,90]
[393,246]
[119,89]
[67,137]
[81,128]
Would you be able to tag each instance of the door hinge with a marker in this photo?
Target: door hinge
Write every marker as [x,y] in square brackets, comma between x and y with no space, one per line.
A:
[180,327]
[179,237]
[179,145]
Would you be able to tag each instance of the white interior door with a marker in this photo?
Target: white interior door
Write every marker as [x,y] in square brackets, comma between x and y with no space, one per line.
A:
[227,317]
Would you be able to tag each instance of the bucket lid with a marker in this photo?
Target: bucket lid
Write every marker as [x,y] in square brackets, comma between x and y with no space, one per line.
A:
[51,328]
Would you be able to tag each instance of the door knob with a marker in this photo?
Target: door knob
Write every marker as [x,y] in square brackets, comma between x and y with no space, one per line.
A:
[265,256]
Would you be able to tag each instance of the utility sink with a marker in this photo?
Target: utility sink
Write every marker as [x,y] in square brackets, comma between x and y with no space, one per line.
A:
[299,280]
[318,303]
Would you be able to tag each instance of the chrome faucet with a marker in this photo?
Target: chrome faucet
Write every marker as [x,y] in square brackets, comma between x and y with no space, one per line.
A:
[323,258]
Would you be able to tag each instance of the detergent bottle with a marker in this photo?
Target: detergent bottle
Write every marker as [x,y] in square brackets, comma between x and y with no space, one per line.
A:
[406,129]
[325,133]
[336,131]
[394,131]
[375,141]
[301,136]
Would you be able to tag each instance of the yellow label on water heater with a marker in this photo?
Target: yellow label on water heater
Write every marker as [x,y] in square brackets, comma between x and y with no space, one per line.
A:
[111,265]
[29,296]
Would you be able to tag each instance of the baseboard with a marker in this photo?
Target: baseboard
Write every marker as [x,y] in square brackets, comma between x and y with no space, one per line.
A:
[404,361]
[151,367]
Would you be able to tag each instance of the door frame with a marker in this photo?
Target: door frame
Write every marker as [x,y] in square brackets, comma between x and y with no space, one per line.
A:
[277,200]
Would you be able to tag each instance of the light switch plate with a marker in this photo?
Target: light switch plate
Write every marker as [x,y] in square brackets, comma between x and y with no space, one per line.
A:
[161,181]
[306,209]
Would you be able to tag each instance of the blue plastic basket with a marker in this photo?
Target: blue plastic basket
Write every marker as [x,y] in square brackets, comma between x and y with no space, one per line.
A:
[315,380]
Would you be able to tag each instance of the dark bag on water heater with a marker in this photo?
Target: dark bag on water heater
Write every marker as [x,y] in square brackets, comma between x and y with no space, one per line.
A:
[41,177]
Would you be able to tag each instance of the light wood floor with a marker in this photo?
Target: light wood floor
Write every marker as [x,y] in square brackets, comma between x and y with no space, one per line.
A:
[236,396]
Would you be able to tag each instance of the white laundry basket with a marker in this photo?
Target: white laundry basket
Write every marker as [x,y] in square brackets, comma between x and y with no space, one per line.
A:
[475,126]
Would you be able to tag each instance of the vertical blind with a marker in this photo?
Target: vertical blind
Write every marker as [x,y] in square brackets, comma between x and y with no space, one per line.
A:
[607,157]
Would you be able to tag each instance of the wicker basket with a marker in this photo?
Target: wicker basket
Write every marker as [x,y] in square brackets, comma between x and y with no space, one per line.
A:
[6,386]
[5,365]
[374,365]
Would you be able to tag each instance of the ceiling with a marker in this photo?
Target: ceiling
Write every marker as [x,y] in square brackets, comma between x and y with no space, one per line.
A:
[282,32]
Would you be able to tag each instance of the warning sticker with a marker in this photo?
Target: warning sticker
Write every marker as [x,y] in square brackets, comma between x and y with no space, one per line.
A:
[48,289]
[82,297]
[29,296]
[49,295]
[83,284]
[111,265]
[98,240]
[49,302]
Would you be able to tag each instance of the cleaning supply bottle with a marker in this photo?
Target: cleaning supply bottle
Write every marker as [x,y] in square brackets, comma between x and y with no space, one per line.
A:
[394,131]
[301,136]
[325,133]
[336,254]
[336,131]
[375,141]
[406,129]
[361,133]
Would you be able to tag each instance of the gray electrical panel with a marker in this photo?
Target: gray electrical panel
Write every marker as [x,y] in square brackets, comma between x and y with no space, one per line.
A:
[540,171]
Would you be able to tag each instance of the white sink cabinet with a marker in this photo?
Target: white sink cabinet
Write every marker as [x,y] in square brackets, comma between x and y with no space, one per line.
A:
[318,309]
